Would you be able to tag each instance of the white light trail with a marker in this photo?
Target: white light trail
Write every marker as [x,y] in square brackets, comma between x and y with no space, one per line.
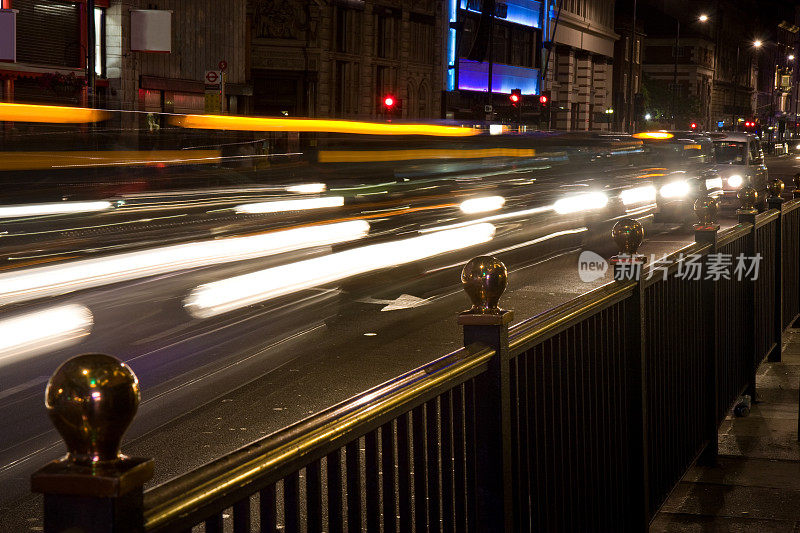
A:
[51,280]
[307,188]
[233,293]
[281,206]
[581,202]
[638,195]
[482,205]
[55,208]
[43,331]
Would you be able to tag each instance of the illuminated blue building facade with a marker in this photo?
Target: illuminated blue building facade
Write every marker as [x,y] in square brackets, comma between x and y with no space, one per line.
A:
[534,48]
[520,17]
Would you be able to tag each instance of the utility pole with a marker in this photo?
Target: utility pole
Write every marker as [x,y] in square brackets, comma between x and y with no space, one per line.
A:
[491,58]
[90,53]
[630,108]
[675,73]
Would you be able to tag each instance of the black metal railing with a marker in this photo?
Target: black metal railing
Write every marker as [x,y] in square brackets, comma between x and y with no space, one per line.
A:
[583,418]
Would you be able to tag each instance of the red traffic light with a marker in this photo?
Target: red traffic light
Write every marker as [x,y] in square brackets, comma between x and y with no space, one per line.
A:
[514,98]
[693,125]
[388,101]
[543,99]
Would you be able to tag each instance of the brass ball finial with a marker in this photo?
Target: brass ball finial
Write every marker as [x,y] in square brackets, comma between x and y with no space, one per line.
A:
[91,400]
[775,188]
[628,234]
[484,279]
[748,197]
[706,209]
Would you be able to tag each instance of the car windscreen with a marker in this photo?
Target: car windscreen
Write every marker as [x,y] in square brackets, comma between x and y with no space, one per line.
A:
[730,153]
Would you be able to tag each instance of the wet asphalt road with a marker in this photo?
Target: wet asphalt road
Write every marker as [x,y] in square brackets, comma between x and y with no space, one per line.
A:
[357,347]
[333,344]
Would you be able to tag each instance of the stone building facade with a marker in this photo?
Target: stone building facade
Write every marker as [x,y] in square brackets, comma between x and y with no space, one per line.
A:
[203,34]
[341,58]
[579,69]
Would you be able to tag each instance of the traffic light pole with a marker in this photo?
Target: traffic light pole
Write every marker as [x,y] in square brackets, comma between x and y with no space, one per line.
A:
[491,58]
[675,74]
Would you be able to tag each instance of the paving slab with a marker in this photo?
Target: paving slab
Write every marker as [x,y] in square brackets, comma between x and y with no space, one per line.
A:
[755,485]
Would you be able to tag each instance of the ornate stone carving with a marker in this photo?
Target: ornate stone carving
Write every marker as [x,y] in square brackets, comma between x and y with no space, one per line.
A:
[279,19]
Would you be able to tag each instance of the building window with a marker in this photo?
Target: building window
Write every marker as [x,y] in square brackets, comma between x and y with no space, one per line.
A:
[422,34]
[637,49]
[627,48]
[387,36]
[625,87]
[346,83]
[522,47]
[49,33]
[348,28]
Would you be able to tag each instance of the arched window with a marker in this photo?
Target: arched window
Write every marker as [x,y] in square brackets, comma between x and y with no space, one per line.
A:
[423,103]
[411,101]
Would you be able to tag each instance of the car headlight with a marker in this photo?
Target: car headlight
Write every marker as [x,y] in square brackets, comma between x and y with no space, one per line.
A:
[676,189]
[797,147]
[735,181]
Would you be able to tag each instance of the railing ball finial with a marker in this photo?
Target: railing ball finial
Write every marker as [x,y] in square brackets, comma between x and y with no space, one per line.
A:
[628,234]
[748,197]
[484,279]
[91,400]
[706,208]
[775,188]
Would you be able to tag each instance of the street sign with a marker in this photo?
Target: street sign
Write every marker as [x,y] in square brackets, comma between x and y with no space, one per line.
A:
[223,65]
[487,108]
[213,80]
[721,124]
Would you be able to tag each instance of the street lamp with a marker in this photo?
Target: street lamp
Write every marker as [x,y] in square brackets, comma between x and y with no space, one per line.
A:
[703,18]
[756,44]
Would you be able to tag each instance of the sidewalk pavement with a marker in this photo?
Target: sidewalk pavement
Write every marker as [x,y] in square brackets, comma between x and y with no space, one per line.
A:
[756,485]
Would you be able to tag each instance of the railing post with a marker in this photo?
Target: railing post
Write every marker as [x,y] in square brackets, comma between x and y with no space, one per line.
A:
[775,201]
[91,400]
[628,265]
[705,232]
[796,183]
[484,279]
[748,197]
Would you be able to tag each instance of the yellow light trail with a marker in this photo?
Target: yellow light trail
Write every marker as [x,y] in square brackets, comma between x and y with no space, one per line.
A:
[79,159]
[239,123]
[50,113]
[357,156]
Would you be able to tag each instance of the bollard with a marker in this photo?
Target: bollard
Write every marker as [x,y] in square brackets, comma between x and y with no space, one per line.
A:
[775,189]
[484,279]
[706,209]
[91,400]
[628,234]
